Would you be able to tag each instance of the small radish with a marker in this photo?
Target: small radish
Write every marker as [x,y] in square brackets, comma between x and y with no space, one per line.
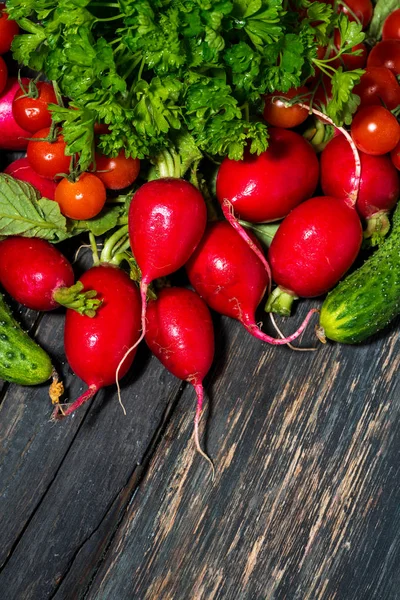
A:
[230,277]
[180,334]
[266,187]
[313,248]
[22,170]
[95,347]
[379,183]
[12,136]
[167,218]
[37,275]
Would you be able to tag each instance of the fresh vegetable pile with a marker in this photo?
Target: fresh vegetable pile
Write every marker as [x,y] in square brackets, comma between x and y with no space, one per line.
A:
[253,146]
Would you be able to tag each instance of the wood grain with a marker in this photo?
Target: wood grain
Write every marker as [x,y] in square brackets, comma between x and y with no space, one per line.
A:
[305,503]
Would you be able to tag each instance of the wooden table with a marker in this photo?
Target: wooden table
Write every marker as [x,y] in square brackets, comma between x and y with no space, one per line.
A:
[305,504]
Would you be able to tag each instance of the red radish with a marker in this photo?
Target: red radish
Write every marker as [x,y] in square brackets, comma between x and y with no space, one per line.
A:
[379,183]
[31,270]
[232,280]
[180,334]
[313,248]
[95,347]
[22,170]
[12,136]
[266,187]
[167,218]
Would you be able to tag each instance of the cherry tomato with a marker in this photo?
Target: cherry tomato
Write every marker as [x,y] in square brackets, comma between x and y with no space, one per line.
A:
[81,199]
[391,26]
[3,75]
[375,130]
[279,115]
[378,86]
[33,114]
[349,61]
[119,172]
[386,54]
[395,156]
[48,159]
[358,9]
[8,30]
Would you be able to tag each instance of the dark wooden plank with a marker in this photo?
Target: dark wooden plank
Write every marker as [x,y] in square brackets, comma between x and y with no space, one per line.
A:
[60,480]
[305,502]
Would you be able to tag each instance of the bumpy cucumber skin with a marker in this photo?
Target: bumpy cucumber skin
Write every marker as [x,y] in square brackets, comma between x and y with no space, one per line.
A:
[22,361]
[368,299]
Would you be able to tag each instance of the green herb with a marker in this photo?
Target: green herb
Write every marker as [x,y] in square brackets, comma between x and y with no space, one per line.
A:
[153,68]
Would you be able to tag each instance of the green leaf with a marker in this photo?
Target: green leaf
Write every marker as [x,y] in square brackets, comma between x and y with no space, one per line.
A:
[22,212]
[344,103]
[106,220]
[382,9]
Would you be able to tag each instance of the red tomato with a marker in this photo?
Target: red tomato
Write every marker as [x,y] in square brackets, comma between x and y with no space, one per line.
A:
[33,114]
[395,156]
[48,159]
[360,9]
[391,26]
[3,75]
[348,61]
[81,199]
[8,29]
[119,172]
[375,130]
[277,114]
[378,86]
[386,54]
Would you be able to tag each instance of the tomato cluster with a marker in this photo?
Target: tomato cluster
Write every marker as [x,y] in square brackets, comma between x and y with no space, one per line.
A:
[375,128]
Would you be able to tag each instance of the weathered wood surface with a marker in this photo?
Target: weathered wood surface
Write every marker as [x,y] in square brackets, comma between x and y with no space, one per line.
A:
[304,505]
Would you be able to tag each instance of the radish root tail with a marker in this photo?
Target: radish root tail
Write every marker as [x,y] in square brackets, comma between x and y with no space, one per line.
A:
[143,295]
[296,348]
[200,396]
[56,388]
[229,215]
[63,410]
[255,331]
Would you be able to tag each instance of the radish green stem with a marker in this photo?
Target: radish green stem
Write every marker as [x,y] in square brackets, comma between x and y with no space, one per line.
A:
[227,209]
[93,245]
[107,252]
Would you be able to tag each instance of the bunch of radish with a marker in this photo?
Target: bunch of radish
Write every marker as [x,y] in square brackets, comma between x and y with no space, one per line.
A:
[318,239]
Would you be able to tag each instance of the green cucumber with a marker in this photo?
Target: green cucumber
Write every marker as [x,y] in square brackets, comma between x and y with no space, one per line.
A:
[368,299]
[21,359]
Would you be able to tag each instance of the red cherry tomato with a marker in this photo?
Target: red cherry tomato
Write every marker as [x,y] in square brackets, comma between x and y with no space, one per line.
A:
[395,156]
[358,9]
[8,30]
[279,115]
[386,54]
[33,114]
[48,159]
[118,172]
[81,199]
[3,75]
[391,26]
[375,130]
[378,86]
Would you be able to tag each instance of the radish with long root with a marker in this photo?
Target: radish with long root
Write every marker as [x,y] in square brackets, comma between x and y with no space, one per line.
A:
[180,334]
[167,218]
[227,274]
[95,346]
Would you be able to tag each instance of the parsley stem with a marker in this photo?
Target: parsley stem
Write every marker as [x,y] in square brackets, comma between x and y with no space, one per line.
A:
[104,4]
[115,18]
